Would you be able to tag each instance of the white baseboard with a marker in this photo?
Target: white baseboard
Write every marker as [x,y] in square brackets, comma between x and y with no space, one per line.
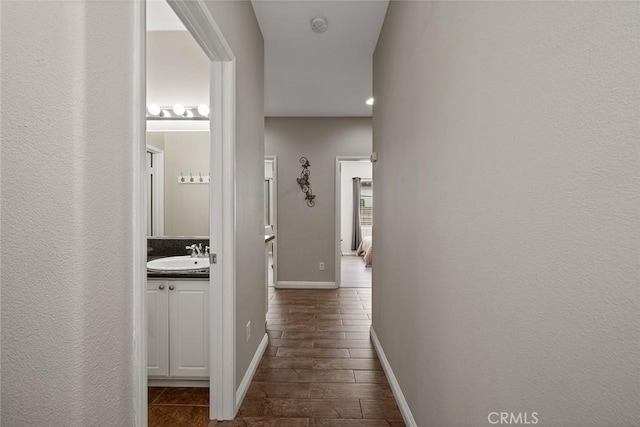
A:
[306,285]
[395,386]
[251,370]
[163,382]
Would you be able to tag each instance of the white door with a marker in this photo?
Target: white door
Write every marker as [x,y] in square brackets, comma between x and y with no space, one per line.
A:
[189,329]
[157,328]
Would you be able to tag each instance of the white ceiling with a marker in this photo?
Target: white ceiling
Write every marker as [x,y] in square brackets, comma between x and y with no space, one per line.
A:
[309,74]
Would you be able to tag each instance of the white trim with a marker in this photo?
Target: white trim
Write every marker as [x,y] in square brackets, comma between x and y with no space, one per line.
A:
[274,217]
[305,285]
[158,190]
[139,154]
[196,17]
[251,371]
[198,20]
[164,382]
[393,382]
[227,304]
[338,213]
[200,23]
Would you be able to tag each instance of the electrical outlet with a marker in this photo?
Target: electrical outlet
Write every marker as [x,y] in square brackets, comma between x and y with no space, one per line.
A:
[248,330]
[322,266]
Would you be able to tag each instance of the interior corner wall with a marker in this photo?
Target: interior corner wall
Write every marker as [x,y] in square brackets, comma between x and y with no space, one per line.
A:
[306,235]
[511,263]
[240,28]
[67,215]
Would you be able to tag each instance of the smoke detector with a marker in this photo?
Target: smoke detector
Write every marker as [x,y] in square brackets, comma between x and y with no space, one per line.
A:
[319,25]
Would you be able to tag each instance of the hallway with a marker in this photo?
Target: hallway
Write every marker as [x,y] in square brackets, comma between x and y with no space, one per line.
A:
[320,369]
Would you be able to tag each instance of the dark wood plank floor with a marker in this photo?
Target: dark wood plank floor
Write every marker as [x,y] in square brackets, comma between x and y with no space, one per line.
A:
[320,369]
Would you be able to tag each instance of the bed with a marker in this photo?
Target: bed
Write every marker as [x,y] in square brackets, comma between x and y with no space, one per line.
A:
[366,249]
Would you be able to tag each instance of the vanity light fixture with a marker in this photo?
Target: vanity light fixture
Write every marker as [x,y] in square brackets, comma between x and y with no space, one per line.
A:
[179,109]
[154,109]
[369,101]
[203,110]
[178,112]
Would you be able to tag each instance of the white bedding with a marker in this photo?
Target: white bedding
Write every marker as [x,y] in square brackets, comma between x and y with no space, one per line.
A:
[366,248]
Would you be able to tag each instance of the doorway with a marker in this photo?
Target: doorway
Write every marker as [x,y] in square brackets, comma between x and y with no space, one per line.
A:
[198,21]
[354,221]
[271,217]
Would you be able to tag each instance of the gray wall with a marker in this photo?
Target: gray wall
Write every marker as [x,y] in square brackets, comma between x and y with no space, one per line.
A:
[507,212]
[178,72]
[186,206]
[66,216]
[240,27]
[177,69]
[306,236]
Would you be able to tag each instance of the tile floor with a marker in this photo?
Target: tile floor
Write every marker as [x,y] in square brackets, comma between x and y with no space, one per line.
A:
[353,273]
[320,369]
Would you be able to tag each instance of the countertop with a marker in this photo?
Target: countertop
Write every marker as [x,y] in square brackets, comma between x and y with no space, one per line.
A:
[188,274]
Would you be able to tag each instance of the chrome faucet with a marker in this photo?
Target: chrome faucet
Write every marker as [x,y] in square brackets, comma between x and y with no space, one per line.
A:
[196,251]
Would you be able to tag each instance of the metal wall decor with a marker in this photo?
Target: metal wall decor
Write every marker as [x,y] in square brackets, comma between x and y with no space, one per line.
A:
[303,181]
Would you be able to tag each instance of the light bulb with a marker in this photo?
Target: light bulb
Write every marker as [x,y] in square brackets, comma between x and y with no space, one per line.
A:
[188,114]
[178,109]
[369,101]
[203,110]
[154,109]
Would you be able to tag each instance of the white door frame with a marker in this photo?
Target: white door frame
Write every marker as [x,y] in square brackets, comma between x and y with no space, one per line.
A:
[197,18]
[158,190]
[274,215]
[338,214]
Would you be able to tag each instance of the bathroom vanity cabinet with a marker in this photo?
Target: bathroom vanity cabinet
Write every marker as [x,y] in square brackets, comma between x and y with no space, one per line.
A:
[178,329]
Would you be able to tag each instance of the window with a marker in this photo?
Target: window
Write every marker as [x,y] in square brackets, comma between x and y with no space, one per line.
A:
[366,203]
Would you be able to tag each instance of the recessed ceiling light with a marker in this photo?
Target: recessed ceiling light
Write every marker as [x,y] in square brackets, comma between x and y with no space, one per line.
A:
[319,25]
[369,101]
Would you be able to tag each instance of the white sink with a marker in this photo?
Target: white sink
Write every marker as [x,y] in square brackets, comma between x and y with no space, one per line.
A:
[178,263]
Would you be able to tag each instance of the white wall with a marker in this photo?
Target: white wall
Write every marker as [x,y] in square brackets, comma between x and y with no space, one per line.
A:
[67,218]
[511,267]
[240,28]
[306,236]
[349,171]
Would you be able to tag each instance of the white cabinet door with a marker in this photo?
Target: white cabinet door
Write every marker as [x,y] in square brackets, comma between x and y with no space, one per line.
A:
[157,328]
[189,329]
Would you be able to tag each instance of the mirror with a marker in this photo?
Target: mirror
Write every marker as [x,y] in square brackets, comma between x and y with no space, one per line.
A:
[178,183]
